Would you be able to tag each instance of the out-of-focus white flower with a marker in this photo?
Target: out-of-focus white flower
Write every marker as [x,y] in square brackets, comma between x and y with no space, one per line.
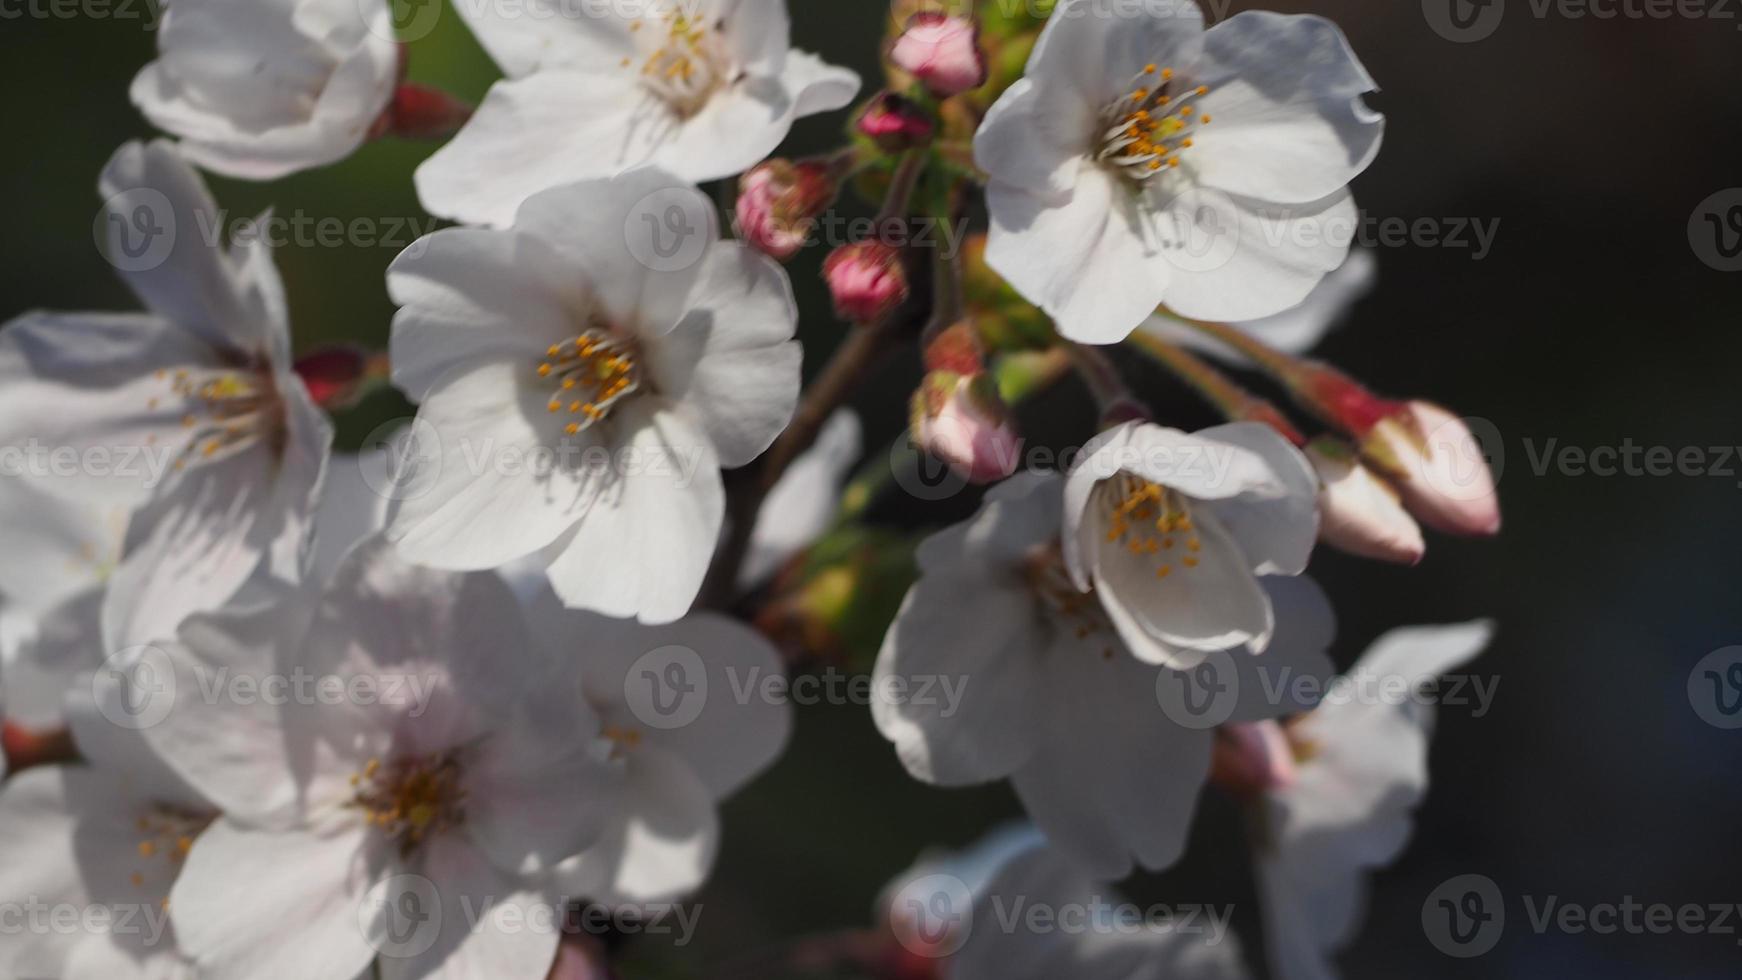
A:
[1359,512]
[1144,160]
[680,734]
[188,415]
[583,401]
[1107,938]
[450,768]
[804,500]
[701,88]
[262,89]
[1295,330]
[1046,694]
[1362,772]
[1172,530]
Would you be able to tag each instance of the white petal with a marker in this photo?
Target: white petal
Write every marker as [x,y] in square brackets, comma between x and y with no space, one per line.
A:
[662,844]
[757,32]
[1083,261]
[1091,53]
[804,500]
[815,85]
[352,508]
[194,284]
[968,634]
[1020,145]
[538,788]
[487,483]
[1295,330]
[472,295]
[56,546]
[1285,92]
[1264,258]
[644,547]
[38,858]
[1112,779]
[1276,533]
[731,363]
[548,34]
[489,925]
[307,887]
[534,133]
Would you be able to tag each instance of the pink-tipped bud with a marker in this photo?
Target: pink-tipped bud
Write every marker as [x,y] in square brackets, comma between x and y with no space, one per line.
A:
[419,112]
[942,51]
[335,375]
[1252,758]
[961,420]
[778,204]
[866,280]
[1438,467]
[1359,512]
[895,123]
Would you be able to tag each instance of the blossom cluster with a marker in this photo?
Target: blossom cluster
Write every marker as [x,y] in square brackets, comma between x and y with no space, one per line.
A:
[277,709]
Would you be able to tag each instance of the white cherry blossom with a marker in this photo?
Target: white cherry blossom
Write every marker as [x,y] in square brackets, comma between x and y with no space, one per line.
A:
[1363,770]
[1053,700]
[583,396]
[1144,160]
[1172,530]
[189,415]
[262,89]
[700,88]
[1295,330]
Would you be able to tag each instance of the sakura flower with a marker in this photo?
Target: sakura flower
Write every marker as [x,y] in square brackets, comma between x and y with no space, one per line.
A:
[263,89]
[1295,330]
[106,838]
[701,88]
[1362,772]
[1172,531]
[444,757]
[189,416]
[585,401]
[680,731]
[1106,937]
[1144,160]
[1052,699]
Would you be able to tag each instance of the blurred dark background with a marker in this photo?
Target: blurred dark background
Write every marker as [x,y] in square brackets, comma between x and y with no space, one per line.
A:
[1591,321]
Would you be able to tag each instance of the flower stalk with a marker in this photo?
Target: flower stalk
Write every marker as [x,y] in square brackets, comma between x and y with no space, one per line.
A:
[1229,398]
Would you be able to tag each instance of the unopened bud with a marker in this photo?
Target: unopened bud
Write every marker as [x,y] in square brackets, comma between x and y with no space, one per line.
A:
[942,51]
[1438,467]
[420,112]
[1358,511]
[778,204]
[335,376]
[895,123]
[961,420]
[1252,758]
[866,280]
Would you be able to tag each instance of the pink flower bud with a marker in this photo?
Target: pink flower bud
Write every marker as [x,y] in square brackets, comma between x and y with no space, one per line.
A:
[962,421]
[1359,512]
[1438,468]
[335,375]
[895,124]
[419,112]
[942,51]
[866,280]
[1250,758]
[778,203]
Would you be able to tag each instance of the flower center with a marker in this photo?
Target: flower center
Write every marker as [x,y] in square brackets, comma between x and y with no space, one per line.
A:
[592,372]
[1149,127]
[1149,519]
[411,798]
[1052,585]
[166,833]
[228,411]
[687,63]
